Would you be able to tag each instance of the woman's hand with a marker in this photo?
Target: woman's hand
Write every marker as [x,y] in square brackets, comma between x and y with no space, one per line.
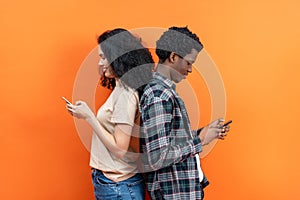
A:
[80,110]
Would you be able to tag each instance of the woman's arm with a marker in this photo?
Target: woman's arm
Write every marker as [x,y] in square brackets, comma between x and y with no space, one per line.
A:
[117,143]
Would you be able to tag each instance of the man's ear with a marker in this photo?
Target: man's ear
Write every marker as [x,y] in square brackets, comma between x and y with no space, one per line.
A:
[172,57]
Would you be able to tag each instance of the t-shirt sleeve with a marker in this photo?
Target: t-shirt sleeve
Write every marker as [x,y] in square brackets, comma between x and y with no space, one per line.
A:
[125,108]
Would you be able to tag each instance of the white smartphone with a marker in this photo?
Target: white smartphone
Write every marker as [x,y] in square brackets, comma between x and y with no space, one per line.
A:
[66,100]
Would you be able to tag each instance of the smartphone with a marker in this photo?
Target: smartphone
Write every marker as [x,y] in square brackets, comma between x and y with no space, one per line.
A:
[226,124]
[66,100]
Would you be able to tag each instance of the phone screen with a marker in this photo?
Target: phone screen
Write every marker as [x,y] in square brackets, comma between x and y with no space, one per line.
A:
[227,123]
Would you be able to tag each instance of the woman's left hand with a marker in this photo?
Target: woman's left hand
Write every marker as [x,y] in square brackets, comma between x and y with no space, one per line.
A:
[80,110]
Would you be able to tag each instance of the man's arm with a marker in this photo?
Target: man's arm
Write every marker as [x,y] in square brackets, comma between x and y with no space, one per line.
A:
[158,119]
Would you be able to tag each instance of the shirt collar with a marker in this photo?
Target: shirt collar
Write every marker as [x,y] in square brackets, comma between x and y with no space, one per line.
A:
[163,79]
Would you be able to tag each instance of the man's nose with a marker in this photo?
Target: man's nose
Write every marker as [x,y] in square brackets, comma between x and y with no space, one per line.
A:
[190,69]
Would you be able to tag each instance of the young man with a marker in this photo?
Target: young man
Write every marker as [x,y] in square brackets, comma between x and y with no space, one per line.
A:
[170,148]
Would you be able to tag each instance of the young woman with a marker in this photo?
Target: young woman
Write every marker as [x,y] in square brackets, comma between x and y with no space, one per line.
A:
[125,65]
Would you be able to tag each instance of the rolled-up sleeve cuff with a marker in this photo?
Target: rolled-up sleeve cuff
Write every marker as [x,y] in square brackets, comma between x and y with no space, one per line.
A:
[197,145]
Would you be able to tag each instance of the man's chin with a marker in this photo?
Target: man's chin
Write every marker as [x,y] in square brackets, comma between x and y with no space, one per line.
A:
[178,80]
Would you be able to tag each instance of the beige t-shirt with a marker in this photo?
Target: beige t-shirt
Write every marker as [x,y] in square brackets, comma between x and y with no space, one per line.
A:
[120,107]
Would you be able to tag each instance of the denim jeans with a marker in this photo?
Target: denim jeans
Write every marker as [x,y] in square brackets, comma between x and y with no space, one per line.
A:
[104,188]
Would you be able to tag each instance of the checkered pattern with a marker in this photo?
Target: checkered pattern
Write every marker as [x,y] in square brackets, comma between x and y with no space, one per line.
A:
[168,144]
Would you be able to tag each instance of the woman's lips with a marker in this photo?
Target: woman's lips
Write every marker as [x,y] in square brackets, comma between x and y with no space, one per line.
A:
[104,69]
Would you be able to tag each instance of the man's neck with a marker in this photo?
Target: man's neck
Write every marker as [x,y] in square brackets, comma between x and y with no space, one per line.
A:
[164,70]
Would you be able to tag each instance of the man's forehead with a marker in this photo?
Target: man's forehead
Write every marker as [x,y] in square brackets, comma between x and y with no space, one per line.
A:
[192,56]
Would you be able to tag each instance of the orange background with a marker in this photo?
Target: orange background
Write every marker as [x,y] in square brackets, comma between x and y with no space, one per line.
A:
[255,45]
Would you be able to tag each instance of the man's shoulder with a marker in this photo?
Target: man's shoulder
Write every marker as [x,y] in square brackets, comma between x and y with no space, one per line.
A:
[156,88]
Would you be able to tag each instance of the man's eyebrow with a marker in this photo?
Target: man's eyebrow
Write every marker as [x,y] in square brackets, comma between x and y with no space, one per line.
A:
[190,61]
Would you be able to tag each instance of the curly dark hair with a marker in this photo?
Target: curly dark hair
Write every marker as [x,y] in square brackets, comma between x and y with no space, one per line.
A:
[129,59]
[179,40]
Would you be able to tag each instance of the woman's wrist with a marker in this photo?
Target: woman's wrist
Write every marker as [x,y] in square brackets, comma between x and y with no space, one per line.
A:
[90,117]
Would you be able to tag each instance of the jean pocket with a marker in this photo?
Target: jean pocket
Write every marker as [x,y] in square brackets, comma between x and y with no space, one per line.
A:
[104,182]
[137,190]
[100,179]
[104,189]
[138,182]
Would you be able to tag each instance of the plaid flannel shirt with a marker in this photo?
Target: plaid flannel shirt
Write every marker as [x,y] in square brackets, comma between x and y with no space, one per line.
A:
[168,144]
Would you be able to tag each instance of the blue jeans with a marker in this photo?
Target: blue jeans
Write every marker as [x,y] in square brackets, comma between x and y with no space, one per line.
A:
[105,189]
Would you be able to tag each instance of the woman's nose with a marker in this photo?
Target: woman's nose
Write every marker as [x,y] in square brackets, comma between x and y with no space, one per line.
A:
[100,63]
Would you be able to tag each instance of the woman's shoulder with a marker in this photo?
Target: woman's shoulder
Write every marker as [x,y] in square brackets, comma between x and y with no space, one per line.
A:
[126,93]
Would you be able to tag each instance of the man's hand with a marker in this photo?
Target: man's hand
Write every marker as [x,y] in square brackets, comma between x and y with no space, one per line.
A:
[213,131]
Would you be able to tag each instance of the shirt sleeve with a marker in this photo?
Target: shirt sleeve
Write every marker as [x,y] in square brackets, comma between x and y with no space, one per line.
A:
[125,108]
[158,119]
